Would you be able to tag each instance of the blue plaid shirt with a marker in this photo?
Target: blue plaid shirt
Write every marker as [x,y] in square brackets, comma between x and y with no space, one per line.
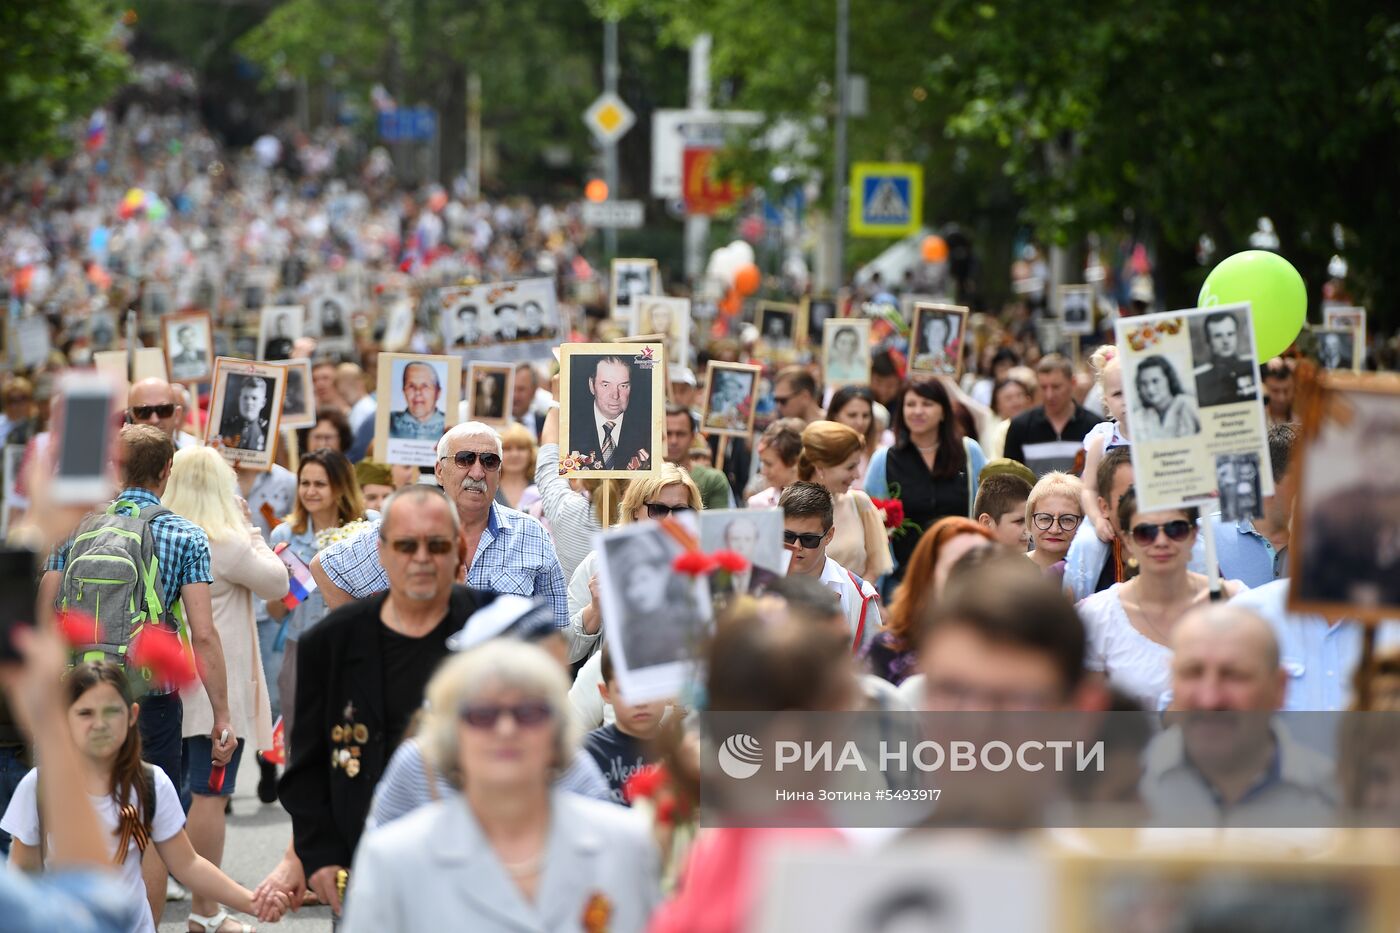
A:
[515,555]
[181,547]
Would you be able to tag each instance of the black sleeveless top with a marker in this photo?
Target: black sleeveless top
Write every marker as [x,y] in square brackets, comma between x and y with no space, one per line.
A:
[925,499]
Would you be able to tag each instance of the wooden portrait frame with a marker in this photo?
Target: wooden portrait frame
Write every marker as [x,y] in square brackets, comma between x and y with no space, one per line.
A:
[1313,465]
[475,367]
[225,368]
[713,368]
[576,451]
[927,309]
[1349,317]
[413,451]
[833,326]
[654,288]
[150,288]
[793,311]
[168,327]
[305,417]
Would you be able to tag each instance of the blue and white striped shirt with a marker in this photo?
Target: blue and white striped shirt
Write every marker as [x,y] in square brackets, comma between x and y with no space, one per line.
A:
[515,555]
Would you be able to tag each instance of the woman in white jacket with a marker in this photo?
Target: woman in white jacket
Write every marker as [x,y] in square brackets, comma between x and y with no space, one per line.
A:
[203,489]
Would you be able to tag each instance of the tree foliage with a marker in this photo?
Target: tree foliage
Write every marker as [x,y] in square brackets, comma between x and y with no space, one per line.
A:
[1171,118]
[61,61]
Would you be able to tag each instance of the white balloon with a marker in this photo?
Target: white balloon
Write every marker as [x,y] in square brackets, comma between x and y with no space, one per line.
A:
[742,248]
[726,263]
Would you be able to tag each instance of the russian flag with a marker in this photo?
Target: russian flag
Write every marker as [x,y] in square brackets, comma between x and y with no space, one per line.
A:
[96,130]
[298,592]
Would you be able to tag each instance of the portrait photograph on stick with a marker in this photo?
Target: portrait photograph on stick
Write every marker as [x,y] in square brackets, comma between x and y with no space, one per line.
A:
[279,326]
[653,618]
[489,390]
[779,325]
[188,342]
[1348,318]
[670,317]
[245,411]
[422,393]
[1077,309]
[612,414]
[1336,348]
[1345,558]
[846,352]
[936,339]
[298,401]
[1167,359]
[731,398]
[755,535]
[630,279]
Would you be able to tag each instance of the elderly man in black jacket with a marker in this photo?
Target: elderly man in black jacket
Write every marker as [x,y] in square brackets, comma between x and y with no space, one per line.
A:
[360,677]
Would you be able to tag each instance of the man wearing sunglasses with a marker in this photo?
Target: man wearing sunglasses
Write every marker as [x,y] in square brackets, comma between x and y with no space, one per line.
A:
[153,402]
[809,522]
[360,677]
[506,552]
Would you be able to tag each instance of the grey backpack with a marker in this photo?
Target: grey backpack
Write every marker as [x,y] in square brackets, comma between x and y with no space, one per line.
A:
[113,575]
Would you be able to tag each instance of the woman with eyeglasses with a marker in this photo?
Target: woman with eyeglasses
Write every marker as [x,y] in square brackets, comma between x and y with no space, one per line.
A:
[508,848]
[667,490]
[1129,625]
[328,506]
[1054,510]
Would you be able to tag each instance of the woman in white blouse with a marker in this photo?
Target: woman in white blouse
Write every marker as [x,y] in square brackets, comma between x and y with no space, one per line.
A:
[1129,625]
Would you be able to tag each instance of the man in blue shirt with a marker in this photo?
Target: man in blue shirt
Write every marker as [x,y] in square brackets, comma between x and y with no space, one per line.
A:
[507,551]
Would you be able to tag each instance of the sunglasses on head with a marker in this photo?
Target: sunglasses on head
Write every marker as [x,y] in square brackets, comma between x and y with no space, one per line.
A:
[465,458]
[1045,521]
[409,546]
[1176,530]
[486,716]
[142,412]
[808,542]
[661,510]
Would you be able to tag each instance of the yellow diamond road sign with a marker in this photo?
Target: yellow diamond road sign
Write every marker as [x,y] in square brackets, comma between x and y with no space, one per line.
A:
[609,118]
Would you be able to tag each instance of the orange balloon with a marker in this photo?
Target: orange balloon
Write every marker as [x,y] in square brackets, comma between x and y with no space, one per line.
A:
[747,279]
[596,190]
[731,303]
[934,248]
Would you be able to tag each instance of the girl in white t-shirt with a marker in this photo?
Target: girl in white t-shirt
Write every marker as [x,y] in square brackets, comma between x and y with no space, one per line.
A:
[137,803]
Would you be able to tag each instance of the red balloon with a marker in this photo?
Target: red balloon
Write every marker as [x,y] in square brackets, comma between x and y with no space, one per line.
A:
[125,211]
[747,279]
[934,248]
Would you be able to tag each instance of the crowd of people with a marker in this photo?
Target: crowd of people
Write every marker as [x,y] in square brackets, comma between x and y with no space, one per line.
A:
[460,751]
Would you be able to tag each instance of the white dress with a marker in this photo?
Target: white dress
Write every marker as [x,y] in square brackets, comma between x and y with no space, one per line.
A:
[1134,663]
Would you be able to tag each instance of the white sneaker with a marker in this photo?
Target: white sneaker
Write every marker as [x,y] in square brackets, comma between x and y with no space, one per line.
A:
[174,891]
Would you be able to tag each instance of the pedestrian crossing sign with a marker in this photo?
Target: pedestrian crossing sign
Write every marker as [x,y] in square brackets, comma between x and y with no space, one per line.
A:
[887,198]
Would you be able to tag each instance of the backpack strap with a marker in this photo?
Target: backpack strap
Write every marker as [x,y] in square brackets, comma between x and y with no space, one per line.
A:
[864,608]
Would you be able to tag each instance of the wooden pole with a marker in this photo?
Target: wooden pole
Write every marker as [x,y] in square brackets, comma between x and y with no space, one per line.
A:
[1074,349]
[605,490]
[719,452]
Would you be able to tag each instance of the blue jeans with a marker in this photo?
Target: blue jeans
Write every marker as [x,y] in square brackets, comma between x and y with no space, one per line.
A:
[12,769]
[161,721]
[272,654]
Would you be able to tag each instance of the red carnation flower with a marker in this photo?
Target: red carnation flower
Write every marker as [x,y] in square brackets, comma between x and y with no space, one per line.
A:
[694,564]
[163,654]
[731,561]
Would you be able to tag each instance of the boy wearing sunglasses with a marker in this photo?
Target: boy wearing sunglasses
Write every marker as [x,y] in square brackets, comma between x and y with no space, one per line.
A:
[809,523]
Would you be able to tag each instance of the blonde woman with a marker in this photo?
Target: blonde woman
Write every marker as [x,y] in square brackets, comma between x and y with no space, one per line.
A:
[518,454]
[508,844]
[1054,510]
[202,488]
[831,458]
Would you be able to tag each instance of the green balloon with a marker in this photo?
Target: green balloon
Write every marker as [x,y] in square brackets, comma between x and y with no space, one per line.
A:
[1274,289]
